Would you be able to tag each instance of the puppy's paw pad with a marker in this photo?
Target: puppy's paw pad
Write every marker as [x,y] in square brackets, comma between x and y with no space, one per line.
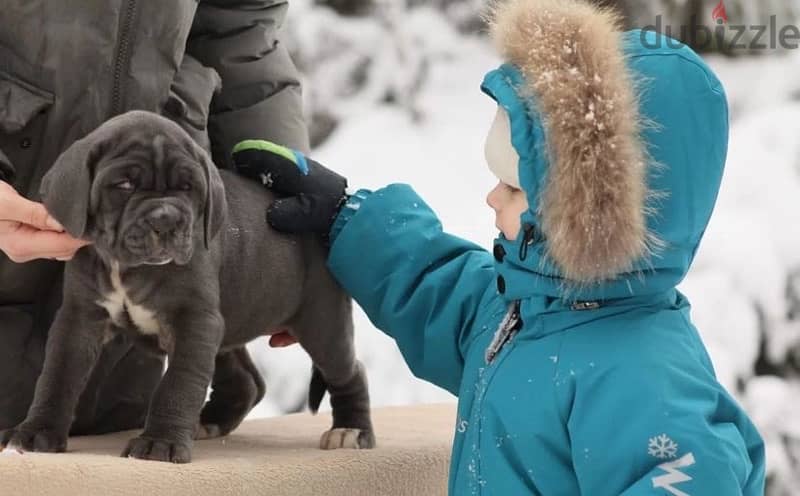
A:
[144,448]
[347,439]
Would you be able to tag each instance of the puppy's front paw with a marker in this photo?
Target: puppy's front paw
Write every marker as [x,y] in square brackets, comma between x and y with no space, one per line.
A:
[158,450]
[347,438]
[23,438]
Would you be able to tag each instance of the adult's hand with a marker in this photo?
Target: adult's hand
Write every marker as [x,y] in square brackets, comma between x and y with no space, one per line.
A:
[312,193]
[282,340]
[28,232]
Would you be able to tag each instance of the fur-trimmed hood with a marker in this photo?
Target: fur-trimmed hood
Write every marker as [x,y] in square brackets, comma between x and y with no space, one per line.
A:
[590,108]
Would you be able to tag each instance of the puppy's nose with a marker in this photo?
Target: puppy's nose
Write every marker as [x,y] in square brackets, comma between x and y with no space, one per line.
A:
[164,219]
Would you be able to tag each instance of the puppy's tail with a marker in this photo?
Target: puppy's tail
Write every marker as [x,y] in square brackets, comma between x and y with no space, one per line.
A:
[316,390]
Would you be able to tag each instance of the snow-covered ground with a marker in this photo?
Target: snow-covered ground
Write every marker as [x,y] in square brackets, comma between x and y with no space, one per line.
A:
[433,139]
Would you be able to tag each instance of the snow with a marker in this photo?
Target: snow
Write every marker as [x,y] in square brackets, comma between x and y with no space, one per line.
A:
[740,284]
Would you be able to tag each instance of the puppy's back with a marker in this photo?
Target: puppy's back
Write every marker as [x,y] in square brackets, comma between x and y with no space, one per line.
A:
[263,272]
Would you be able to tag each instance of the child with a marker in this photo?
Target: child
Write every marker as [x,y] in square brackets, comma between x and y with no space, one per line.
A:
[577,368]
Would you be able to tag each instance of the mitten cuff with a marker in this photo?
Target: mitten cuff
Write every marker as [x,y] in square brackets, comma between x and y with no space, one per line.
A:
[347,211]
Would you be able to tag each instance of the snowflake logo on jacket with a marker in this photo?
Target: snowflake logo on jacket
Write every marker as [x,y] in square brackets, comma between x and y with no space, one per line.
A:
[662,447]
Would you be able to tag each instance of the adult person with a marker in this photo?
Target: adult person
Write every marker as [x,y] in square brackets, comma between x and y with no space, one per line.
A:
[215,66]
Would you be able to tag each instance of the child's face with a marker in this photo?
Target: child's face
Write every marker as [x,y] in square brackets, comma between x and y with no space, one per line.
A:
[508,204]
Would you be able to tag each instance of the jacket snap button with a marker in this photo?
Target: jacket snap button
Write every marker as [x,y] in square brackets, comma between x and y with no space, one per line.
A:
[25,143]
[499,253]
[501,284]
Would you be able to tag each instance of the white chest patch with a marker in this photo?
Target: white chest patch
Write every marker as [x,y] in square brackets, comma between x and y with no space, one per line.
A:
[117,303]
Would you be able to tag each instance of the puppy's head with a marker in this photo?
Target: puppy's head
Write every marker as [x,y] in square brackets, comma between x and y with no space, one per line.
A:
[139,188]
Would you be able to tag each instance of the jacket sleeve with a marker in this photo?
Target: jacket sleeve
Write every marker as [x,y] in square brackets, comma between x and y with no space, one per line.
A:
[260,95]
[417,284]
[680,434]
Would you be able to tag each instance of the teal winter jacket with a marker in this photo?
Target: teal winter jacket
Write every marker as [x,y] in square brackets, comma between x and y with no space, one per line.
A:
[605,389]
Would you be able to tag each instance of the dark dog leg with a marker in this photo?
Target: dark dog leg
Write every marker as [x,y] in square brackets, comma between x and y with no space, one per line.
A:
[73,348]
[236,389]
[352,423]
[175,407]
[328,339]
[21,362]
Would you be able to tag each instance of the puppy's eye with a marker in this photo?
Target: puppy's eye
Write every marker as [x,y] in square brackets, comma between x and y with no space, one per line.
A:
[125,185]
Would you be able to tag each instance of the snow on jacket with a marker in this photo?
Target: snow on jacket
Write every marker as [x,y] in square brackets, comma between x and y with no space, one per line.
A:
[597,383]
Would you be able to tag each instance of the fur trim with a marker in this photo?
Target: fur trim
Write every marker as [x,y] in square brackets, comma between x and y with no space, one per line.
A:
[593,205]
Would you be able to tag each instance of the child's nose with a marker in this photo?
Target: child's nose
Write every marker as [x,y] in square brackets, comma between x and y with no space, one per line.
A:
[491,198]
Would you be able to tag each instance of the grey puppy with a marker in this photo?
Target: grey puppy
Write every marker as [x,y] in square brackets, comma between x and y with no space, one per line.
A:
[184,263]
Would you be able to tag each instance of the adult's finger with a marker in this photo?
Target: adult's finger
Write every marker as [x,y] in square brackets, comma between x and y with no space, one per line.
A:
[17,208]
[28,243]
[281,340]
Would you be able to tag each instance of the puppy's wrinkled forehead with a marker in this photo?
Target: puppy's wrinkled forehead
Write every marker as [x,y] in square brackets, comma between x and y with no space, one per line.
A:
[156,150]
[146,139]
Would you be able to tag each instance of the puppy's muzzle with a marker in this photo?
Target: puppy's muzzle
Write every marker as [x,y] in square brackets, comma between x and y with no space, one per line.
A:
[160,235]
[164,221]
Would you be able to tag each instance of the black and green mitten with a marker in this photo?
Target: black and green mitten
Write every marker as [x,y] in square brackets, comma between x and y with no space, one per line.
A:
[312,194]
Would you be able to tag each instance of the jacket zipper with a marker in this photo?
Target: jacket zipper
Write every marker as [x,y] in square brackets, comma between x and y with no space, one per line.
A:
[505,332]
[123,56]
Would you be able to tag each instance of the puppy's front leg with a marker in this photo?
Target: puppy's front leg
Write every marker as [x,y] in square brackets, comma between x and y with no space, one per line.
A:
[175,407]
[73,347]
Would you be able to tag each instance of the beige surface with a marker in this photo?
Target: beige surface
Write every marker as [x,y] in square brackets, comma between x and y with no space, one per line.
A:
[276,456]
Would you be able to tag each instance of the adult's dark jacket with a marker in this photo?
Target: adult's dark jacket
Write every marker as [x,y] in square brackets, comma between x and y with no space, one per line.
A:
[66,66]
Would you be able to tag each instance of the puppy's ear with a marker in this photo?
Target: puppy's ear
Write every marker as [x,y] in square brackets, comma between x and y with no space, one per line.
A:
[65,188]
[216,207]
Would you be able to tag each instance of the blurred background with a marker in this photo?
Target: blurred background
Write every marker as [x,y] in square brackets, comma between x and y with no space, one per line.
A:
[392,95]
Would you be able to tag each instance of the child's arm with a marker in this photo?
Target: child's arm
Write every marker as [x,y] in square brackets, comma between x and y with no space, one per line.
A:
[635,434]
[418,284]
